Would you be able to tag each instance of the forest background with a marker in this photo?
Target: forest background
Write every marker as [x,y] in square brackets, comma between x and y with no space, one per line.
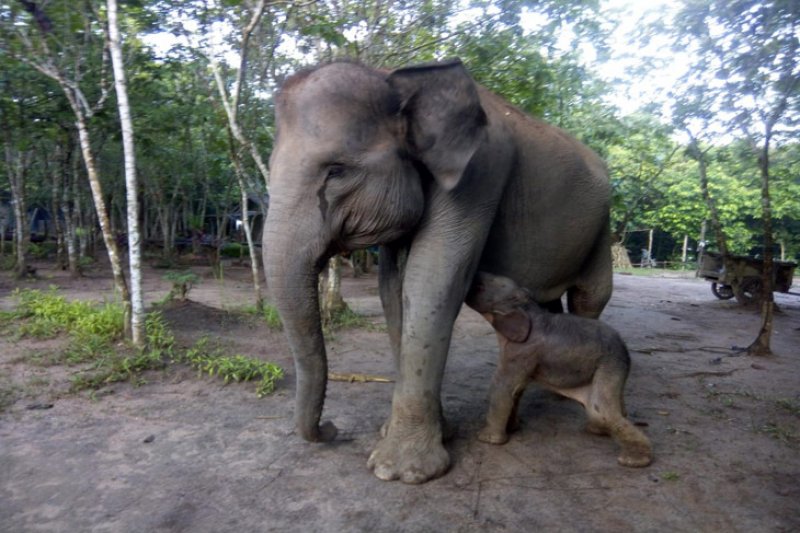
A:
[720,140]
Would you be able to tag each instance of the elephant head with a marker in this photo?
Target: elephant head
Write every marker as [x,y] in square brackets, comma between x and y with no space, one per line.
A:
[356,152]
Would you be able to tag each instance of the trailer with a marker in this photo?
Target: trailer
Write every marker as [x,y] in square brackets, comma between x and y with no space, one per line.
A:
[742,279]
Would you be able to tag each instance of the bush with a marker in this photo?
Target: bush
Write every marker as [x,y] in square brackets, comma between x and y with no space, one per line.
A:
[234,250]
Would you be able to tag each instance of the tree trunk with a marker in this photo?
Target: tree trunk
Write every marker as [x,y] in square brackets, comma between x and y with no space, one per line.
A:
[131,187]
[247,229]
[16,167]
[4,221]
[71,212]
[761,346]
[56,197]
[331,290]
[101,210]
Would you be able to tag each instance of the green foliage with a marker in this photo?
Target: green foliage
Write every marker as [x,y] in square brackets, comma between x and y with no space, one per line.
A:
[745,52]
[212,361]
[269,313]
[157,334]
[47,314]
[182,283]
[234,250]
[670,476]
[119,365]
[94,332]
[344,318]
[272,317]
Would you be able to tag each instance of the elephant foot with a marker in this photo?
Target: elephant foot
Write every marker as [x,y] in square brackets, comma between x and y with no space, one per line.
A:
[448,429]
[325,432]
[492,437]
[412,455]
[596,429]
[636,456]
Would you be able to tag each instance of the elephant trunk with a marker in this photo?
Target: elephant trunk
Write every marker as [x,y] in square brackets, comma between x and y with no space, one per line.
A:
[292,271]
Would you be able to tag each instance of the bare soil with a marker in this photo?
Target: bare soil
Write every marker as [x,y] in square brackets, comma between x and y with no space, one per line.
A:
[185,453]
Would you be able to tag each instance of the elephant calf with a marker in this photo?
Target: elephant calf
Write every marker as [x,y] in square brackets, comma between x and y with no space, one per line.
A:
[579,358]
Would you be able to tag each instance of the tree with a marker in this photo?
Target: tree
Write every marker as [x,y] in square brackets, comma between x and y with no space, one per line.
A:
[30,40]
[230,103]
[132,198]
[752,48]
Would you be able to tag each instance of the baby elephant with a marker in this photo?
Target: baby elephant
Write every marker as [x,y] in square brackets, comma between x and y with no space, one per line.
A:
[576,357]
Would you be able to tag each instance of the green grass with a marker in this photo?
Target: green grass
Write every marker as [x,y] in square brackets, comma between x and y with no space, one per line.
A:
[268,313]
[272,317]
[344,318]
[96,344]
[211,361]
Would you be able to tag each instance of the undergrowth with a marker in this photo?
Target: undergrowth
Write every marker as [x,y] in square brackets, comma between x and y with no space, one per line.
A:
[95,343]
[268,313]
[212,361]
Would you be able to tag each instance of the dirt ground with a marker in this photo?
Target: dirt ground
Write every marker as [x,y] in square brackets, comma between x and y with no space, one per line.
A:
[183,453]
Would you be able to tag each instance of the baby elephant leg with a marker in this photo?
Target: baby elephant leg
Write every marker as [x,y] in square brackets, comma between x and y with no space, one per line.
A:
[504,394]
[605,412]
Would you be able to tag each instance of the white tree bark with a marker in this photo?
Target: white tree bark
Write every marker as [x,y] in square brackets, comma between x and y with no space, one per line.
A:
[134,239]
[16,164]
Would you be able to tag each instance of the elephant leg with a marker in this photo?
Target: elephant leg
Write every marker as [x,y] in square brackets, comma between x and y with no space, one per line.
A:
[504,395]
[437,275]
[605,411]
[390,276]
[391,267]
[589,296]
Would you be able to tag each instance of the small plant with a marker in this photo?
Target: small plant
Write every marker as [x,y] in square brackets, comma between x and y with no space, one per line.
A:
[94,333]
[344,318]
[789,405]
[236,368]
[670,476]
[784,434]
[272,317]
[267,312]
[159,337]
[182,283]
[47,314]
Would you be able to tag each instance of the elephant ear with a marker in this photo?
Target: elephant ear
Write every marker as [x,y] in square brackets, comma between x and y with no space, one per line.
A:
[446,122]
[514,325]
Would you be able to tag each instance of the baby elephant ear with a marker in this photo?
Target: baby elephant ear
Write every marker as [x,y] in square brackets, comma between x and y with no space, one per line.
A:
[515,325]
[446,122]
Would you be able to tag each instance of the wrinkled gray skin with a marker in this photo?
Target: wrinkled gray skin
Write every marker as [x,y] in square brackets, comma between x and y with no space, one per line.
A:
[576,357]
[447,177]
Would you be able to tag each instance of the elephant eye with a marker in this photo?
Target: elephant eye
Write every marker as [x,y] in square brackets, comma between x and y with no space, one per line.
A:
[335,171]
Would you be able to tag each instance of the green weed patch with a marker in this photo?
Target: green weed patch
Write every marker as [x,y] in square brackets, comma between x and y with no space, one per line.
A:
[211,361]
[96,344]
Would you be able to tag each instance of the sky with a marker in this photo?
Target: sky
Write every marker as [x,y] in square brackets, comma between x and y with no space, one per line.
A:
[627,55]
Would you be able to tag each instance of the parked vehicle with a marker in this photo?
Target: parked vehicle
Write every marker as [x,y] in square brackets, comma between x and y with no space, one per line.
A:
[742,278]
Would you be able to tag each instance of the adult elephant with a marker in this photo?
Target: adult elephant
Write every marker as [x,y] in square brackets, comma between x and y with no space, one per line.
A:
[448,178]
